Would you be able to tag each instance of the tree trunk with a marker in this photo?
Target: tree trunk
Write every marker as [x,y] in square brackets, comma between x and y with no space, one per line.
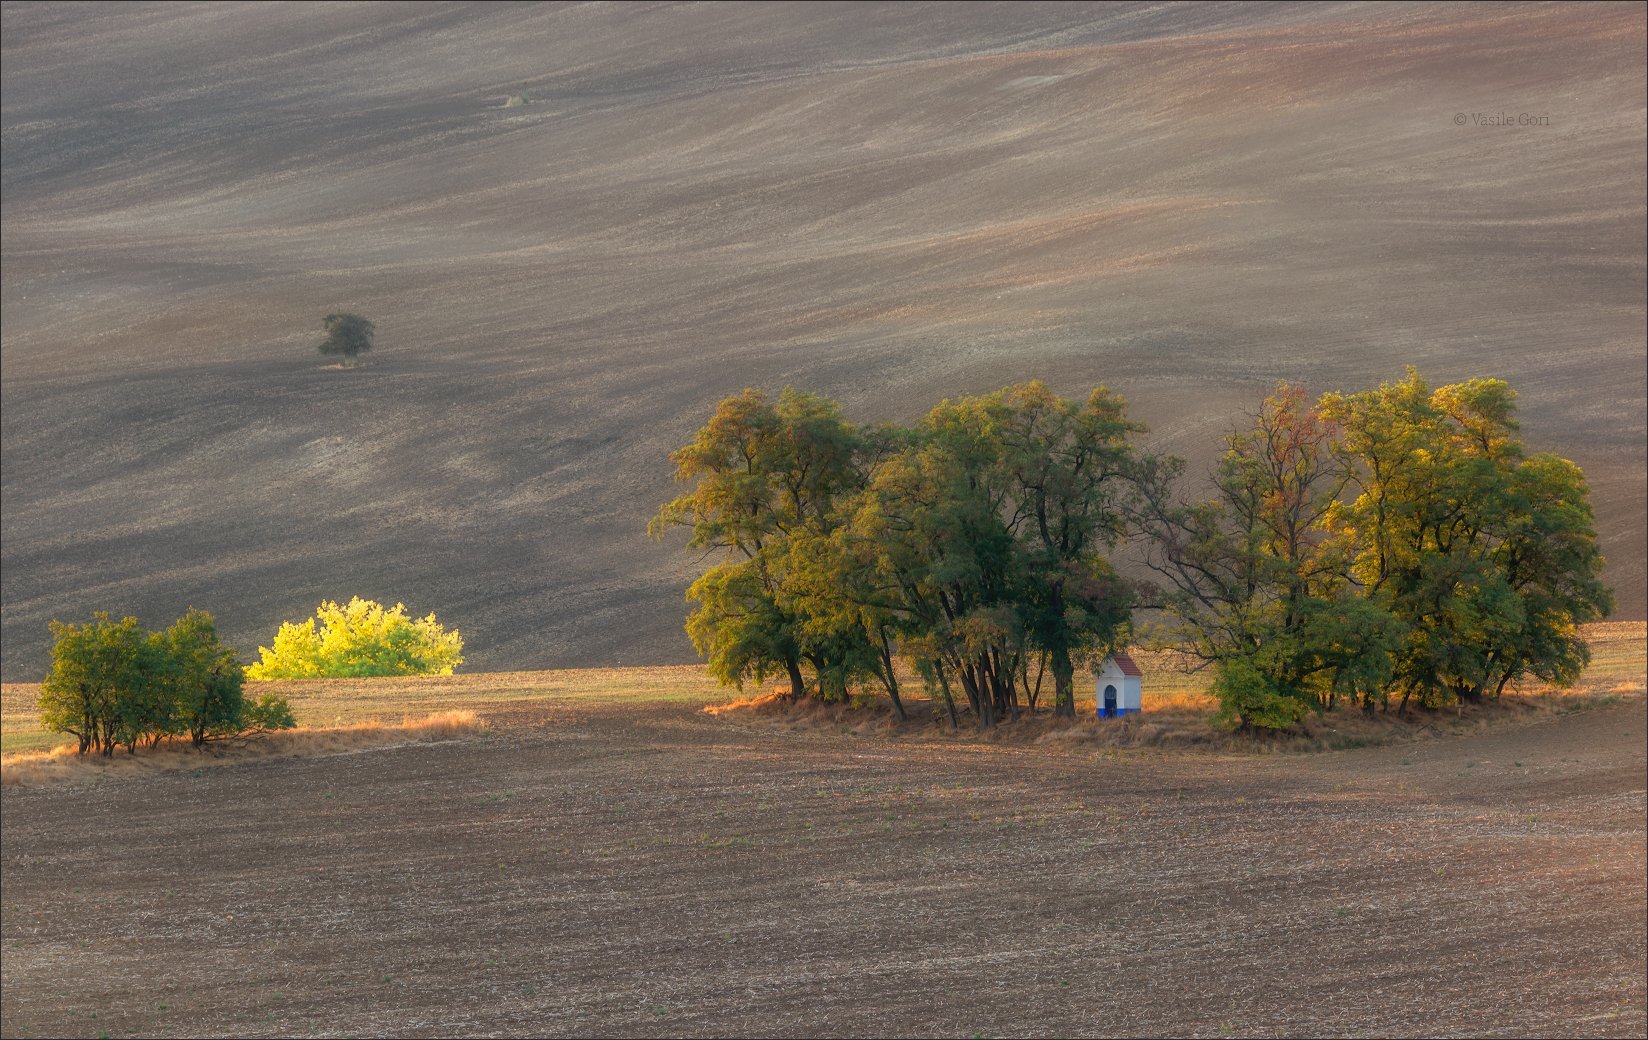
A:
[949,698]
[968,687]
[1005,676]
[1064,686]
[891,679]
[821,668]
[798,685]
[978,696]
[983,694]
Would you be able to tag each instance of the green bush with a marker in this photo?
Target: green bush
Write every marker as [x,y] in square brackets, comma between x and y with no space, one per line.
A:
[205,680]
[95,668]
[358,640]
[1248,698]
[269,712]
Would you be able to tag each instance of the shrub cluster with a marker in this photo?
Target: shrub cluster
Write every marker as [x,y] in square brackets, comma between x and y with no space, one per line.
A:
[358,640]
[114,684]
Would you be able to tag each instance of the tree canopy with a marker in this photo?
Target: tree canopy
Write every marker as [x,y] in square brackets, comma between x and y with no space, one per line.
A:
[347,334]
[767,476]
[1398,540]
[968,543]
[1484,555]
[1256,578]
[356,640]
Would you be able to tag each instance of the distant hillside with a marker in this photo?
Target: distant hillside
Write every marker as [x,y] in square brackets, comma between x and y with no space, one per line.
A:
[885,204]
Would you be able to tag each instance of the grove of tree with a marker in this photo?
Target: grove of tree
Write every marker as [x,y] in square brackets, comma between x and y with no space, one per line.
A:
[113,684]
[1398,542]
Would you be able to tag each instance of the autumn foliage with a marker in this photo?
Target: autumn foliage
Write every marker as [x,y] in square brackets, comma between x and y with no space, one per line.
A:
[1399,544]
[358,639]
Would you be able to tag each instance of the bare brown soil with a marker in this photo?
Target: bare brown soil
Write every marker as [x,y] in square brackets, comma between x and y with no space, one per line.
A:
[590,868]
[1168,728]
[889,204]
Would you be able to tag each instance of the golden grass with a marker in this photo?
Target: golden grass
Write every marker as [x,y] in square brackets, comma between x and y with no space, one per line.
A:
[1619,665]
[342,702]
[62,763]
[1166,727]
[1176,702]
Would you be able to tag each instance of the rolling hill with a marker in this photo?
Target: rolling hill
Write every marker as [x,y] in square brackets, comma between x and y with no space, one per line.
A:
[889,205]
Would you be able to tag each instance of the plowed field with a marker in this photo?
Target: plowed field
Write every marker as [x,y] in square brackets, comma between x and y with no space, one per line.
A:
[635,867]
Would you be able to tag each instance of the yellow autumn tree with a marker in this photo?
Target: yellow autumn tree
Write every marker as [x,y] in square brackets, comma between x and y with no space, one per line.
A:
[359,639]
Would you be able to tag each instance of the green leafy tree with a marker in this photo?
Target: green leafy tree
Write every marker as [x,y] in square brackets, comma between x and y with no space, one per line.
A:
[969,543]
[94,668]
[765,475]
[930,541]
[739,628]
[1401,538]
[145,707]
[1249,695]
[1068,466]
[831,588]
[347,334]
[266,714]
[980,539]
[112,684]
[1487,557]
[1257,581]
[356,640]
[204,680]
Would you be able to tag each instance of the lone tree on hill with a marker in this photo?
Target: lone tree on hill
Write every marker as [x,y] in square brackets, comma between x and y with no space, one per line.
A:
[347,334]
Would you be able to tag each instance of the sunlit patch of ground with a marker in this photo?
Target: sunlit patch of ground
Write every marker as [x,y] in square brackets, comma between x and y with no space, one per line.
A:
[344,702]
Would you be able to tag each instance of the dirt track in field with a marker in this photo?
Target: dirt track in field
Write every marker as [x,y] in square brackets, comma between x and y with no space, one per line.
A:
[589,869]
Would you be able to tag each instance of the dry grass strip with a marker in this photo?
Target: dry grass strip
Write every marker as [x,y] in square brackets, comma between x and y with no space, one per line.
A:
[62,764]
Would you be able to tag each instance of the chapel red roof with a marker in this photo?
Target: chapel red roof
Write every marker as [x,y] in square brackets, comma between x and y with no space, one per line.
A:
[1125,663]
